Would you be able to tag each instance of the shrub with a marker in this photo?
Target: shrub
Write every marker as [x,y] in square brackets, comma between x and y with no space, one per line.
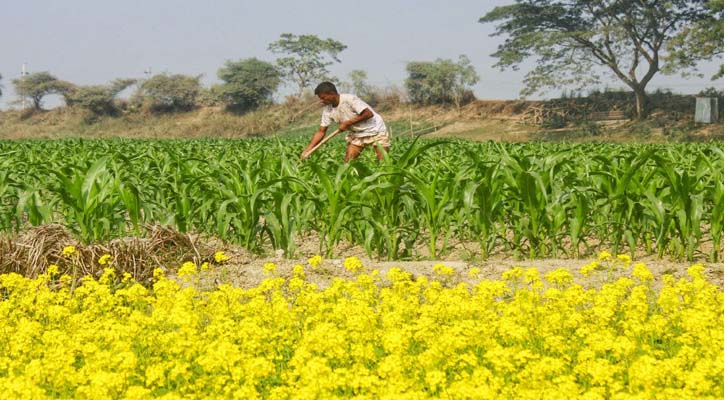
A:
[170,93]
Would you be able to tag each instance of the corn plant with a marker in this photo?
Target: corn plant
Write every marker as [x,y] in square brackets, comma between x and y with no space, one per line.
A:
[531,200]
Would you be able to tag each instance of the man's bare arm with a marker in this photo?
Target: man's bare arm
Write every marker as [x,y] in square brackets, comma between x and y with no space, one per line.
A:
[316,138]
[365,114]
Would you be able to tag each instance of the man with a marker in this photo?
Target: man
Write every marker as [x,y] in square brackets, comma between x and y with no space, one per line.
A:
[365,126]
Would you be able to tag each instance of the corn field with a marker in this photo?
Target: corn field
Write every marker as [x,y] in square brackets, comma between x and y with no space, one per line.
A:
[532,200]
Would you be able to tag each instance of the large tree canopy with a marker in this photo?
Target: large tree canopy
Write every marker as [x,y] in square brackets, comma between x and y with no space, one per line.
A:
[170,93]
[703,40]
[308,58]
[98,99]
[248,83]
[572,40]
[37,85]
[441,81]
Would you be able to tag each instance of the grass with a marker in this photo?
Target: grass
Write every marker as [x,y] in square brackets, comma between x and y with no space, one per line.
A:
[479,121]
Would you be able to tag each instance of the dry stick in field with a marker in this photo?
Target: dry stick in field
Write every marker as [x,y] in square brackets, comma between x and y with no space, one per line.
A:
[304,110]
[317,146]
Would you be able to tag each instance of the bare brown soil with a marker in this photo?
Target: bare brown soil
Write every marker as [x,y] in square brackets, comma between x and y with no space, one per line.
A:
[251,273]
[33,251]
[245,270]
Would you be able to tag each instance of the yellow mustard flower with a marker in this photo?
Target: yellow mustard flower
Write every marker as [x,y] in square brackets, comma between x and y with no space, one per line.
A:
[107,276]
[513,274]
[315,261]
[443,270]
[53,270]
[641,272]
[187,269]
[159,273]
[68,251]
[624,259]
[591,267]
[269,268]
[560,276]
[104,259]
[220,257]
[353,264]
[696,271]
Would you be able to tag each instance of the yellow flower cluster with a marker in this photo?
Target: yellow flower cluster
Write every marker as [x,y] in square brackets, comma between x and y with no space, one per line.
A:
[443,270]
[392,336]
[269,268]
[105,259]
[315,261]
[220,257]
[68,251]
[353,264]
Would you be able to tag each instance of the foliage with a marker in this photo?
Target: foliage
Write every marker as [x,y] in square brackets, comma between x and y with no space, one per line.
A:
[441,81]
[1,86]
[98,99]
[37,85]
[530,200]
[702,40]
[169,93]
[358,85]
[307,58]
[247,83]
[375,335]
[573,41]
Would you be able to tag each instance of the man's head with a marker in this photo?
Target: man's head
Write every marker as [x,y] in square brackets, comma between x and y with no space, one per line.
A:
[327,93]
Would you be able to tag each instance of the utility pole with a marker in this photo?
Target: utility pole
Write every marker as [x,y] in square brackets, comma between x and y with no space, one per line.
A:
[23,72]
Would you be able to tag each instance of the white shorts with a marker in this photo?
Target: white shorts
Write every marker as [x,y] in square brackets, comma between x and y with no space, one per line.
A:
[379,139]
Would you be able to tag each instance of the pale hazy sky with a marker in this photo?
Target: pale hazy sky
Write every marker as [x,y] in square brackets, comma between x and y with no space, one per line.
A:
[95,41]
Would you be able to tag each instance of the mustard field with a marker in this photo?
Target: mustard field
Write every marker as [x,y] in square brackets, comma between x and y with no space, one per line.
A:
[377,336]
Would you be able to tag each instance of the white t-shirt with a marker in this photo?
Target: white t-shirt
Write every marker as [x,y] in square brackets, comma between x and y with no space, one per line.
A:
[351,106]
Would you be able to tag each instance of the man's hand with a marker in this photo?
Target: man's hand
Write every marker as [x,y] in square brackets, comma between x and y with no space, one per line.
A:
[365,114]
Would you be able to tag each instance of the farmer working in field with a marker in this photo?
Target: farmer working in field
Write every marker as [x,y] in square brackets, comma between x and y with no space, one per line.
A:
[365,126]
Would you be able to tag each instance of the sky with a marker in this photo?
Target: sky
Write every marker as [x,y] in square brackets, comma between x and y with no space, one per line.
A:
[92,42]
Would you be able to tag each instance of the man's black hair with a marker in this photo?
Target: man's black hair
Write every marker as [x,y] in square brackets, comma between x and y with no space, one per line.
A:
[325,87]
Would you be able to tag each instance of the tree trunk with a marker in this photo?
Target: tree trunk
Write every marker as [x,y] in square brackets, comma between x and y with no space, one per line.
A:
[642,106]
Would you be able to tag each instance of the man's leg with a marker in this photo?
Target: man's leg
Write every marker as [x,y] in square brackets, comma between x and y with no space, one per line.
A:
[352,152]
[379,153]
[381,140]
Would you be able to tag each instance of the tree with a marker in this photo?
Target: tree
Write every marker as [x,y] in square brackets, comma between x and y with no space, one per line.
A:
[309,57]
[169,93]
[574,40]
[1,86]
[703,40]
[441,81]
[37,85]
[358,84]
[248,83]
[98,99]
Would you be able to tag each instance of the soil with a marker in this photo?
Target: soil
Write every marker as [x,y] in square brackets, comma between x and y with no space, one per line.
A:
[246,270]
[31,252]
